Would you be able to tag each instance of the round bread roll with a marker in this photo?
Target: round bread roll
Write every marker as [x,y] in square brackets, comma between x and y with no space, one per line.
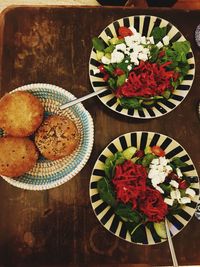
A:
[17,156]
[21,114]
[57,137]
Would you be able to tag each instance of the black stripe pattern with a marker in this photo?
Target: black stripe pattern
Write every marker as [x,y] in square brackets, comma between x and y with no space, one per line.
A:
[106,214]
[144,24]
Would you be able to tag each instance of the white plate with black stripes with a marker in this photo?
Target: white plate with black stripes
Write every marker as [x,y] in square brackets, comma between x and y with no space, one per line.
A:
[144,24]
[105,213]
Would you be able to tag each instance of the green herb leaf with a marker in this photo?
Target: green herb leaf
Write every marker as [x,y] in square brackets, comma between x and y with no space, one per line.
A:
[111,163]
[147,159]
[181,47]
[112,83]
[109,49]
[177,162]
[121,80]
[130,103]
[106,192]
[98,43]
[158,33]
[126,211]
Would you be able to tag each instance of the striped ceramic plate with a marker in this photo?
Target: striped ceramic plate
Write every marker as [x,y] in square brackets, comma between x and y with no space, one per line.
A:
[144,24]
[47,174]
[105,213]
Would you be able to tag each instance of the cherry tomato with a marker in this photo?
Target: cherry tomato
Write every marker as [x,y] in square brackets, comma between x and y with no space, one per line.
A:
[156,150]
[183,184]
[118,71]
[124,31]
[161,54]
[106,77]
[102,69]
[139,153]
[120,37]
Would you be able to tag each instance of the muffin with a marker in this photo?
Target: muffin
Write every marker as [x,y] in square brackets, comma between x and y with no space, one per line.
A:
[17,156]
[21,114]
[57,137]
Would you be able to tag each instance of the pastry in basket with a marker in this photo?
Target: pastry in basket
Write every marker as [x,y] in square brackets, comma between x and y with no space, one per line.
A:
[17,156]
[21,114]
[57,137]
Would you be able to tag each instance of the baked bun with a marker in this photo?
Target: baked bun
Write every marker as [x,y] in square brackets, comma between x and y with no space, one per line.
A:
[57,137]
[17,156]
[21,114]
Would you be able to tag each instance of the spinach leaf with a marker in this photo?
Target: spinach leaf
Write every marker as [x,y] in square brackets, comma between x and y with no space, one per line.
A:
[181,47]
[154,51]
[158,33]
[109,68]
[112,83]
[121,80]
[130,103]
[126,211]
[177,162]
[98,43]
[111,163]
[106,192]
[147,159]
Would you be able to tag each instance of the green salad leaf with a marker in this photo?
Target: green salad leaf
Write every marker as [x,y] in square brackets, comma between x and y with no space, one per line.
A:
[130,102]
[177,162]
[98,43]
[111,163]
[106,192]
[147,159]
[126,212]
[158,33]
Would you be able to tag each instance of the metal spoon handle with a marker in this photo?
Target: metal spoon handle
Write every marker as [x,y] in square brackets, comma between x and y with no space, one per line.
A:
[171,246]
[78,100]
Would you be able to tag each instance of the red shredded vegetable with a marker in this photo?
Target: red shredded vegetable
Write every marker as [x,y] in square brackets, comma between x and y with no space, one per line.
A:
[147,79]
[129,181]
[130,186]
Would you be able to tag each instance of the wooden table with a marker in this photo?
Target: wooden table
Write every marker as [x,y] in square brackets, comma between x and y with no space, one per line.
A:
[58,227]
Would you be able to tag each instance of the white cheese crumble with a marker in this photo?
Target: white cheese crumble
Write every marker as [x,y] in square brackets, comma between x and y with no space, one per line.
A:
[174,183]
[95,71]
[190,192]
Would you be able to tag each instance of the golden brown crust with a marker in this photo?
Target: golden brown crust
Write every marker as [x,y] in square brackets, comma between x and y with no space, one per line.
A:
[17,156]
[57,137]
[21,114]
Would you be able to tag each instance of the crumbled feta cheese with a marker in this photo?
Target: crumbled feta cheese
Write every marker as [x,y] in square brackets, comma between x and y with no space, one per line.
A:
[142,56]
[155,161]
[95,71]
[159,45]
[166,40]
[143,40]
[129,40]
[169,201]
[179,173]
[190,192]
[129,67]
[168,168]
[159,189]
[163,161]
[175,194]
[151,40]
[121,47]
[185,200]
[146,51]
[105,60]
[174,184]
[116,56]
[126,61]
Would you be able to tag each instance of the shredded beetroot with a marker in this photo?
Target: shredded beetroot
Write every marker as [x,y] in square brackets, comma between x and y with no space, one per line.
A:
[148,79]
[129,181]
[130,186]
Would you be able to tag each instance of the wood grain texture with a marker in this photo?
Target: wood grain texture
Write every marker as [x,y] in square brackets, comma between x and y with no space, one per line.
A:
[58,227]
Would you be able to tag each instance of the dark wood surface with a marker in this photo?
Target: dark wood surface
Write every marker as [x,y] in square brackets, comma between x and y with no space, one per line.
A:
[58,227]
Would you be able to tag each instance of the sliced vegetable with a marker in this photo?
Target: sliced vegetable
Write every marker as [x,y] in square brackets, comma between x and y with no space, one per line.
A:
[160,229]
[100,54]
[129,152]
